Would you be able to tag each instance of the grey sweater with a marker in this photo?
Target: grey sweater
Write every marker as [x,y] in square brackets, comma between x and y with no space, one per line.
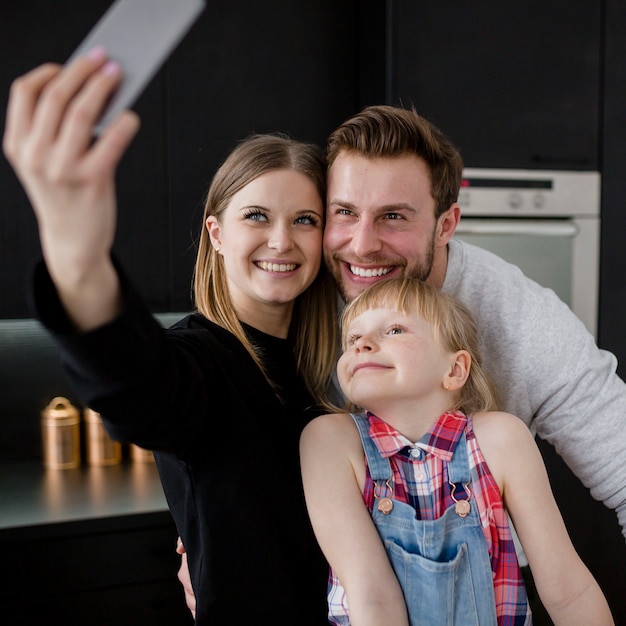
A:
[547,368]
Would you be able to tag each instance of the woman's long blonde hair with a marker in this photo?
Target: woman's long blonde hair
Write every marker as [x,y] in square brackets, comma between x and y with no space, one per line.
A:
[313,328]
[453,327]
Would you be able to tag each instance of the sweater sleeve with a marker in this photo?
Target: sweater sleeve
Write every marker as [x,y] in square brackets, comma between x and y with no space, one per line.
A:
[547,368]
[579,400]
[152,386]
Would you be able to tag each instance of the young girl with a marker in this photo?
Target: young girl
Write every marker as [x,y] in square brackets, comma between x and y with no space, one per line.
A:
[223,396]
[418,534]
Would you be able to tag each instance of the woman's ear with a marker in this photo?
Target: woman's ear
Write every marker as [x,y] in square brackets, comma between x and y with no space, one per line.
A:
[214,229]
[460,364]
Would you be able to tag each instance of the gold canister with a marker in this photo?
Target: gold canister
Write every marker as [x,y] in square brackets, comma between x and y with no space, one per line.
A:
[141,454]
[60,426]
[101,449]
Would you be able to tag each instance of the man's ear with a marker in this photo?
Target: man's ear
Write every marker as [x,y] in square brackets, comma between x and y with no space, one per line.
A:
[446,225]
[460,365]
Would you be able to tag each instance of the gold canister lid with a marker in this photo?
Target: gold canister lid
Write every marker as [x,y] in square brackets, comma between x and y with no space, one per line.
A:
[61,411]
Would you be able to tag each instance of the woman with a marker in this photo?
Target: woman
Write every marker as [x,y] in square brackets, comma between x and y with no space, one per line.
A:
[222,396]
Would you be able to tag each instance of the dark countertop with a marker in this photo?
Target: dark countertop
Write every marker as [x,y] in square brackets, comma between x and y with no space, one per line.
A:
[31,495]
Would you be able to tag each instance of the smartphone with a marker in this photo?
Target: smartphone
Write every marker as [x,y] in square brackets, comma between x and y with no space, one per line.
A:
[139,35]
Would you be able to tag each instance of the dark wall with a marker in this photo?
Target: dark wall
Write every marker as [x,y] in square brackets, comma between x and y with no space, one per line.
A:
[244,67]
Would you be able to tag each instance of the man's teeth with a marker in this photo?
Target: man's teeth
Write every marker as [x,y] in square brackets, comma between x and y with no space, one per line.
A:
[276,267]
[368,273]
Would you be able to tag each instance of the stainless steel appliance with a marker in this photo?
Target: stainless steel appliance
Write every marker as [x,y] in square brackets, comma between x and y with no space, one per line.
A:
[545,222]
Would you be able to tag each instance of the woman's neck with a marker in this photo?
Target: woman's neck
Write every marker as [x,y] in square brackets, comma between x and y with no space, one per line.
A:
[272,320]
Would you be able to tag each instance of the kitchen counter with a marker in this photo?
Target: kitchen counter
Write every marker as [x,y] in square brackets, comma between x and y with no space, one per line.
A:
[89,545]
[31,495]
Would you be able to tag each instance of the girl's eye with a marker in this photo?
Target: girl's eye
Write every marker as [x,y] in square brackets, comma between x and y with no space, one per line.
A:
[395,330]
[255,216]
[311,220]
[352,339]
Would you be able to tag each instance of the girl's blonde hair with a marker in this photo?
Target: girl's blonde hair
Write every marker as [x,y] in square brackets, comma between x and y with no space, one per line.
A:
[453,328]
[313,329]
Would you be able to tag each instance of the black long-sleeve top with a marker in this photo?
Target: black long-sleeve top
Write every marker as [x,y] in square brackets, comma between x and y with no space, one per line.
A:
[226,449]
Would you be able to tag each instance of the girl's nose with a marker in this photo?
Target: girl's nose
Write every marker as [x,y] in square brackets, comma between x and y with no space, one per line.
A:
[363,344]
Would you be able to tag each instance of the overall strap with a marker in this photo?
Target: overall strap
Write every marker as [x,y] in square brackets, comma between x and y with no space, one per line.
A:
[379,467]
[459,475]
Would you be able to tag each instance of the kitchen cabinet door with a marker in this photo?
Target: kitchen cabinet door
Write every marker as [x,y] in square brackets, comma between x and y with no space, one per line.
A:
[514,84]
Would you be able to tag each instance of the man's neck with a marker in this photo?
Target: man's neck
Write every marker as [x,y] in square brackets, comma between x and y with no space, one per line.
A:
[440,266]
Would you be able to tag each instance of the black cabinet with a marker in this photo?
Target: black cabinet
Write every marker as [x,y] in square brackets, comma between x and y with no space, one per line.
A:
[612,312]
[514,84]
[90,545]
[100,572]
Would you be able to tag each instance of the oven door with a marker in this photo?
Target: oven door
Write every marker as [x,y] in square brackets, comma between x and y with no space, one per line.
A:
[561,254]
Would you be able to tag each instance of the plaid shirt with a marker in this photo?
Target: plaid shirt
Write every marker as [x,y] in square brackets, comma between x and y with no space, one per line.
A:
[420,475]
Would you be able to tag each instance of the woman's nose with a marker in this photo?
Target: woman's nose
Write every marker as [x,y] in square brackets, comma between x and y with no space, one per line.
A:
[280,239]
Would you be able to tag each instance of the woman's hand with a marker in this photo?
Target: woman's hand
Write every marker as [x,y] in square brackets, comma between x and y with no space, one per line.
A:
[185,578]
[70,177]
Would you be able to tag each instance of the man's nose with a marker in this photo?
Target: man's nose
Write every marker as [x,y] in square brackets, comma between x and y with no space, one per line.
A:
[365,239]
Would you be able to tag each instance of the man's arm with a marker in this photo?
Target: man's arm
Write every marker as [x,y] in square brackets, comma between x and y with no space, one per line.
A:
[566,587]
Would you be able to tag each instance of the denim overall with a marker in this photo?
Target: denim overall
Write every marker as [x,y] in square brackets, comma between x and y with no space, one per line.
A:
[443,565]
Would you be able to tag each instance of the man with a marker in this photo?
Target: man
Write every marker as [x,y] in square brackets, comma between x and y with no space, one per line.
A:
[393,184]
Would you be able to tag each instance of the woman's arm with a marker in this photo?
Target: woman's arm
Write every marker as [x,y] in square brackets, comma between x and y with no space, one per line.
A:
[69,177]
[333,473]
[566,587]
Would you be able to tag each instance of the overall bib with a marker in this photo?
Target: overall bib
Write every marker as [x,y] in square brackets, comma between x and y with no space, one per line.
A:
[442,565]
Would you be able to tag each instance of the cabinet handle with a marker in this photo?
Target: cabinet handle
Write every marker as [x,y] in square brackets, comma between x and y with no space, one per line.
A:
[517,227]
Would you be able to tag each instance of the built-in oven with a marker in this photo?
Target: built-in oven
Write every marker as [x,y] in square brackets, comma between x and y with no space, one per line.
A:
[545,222]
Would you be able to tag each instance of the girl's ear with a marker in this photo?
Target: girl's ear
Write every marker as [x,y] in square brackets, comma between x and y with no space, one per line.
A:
[214,230]
[460,364]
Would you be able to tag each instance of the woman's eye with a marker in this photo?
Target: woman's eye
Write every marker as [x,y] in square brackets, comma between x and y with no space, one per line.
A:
[311,220]
[255,216]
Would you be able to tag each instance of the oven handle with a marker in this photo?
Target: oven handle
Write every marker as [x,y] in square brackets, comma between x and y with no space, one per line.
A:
[473,226]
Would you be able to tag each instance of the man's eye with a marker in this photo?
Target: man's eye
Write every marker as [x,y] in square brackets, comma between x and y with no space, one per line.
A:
[393,216]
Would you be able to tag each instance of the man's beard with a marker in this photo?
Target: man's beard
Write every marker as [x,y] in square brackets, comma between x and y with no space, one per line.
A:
[419,271]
